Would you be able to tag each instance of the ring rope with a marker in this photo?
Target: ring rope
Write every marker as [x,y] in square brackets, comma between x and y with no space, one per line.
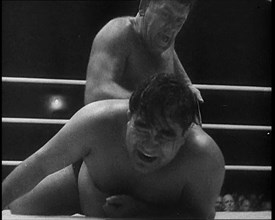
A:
[34,121]
[248,168]
[83,82]
[227,167]
[233,88]
[237,127]
[206,126]
[43,81]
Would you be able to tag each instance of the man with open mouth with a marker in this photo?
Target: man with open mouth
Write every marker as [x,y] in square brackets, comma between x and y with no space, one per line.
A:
[143,157]
[129,49]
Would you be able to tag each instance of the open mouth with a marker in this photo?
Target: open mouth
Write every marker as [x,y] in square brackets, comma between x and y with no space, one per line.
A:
[146,157]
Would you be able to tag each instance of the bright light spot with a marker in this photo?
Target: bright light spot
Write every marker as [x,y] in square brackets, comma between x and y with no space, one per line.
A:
[56,103]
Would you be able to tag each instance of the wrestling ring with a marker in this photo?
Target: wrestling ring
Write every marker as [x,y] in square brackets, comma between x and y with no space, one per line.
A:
[207,126]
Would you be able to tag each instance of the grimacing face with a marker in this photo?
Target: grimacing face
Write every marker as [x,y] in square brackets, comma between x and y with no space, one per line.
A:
[151,148]
[162,22]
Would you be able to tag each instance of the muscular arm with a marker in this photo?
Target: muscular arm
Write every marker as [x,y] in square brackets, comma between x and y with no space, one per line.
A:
[66,147]
[107,63]
[180,70]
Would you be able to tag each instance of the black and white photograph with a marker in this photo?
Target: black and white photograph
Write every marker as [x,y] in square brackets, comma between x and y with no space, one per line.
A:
[136,109]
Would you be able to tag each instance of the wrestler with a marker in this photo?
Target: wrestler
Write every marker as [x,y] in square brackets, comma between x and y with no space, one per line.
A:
[129,49]
[142,158]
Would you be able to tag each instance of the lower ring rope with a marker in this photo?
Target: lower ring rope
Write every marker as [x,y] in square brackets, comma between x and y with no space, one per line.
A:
[227,167]
[248,168]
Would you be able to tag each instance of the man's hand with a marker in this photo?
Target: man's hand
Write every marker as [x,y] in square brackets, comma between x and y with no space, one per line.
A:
[119,206]
[196,92]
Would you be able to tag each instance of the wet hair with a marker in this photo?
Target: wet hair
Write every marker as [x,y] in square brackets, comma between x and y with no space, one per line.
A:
[164,95]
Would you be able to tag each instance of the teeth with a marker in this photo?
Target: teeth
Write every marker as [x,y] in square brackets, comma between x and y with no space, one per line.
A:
[147,155]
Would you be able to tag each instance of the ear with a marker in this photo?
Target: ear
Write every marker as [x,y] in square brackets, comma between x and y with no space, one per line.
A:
[129,115]
[143,5]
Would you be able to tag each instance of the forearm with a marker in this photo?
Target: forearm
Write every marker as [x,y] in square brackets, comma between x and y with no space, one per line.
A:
[20,181]
[185,76]
[110,90]
[179,69]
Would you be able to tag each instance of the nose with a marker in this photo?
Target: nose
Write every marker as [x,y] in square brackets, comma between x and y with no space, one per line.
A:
[151,144]
[154,135]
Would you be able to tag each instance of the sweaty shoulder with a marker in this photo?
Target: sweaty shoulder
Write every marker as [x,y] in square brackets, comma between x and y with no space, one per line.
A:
[104,109]
[97,114]
[203,146]
[116,32]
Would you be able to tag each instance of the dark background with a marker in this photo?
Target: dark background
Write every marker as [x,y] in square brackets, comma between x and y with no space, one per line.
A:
[223,42]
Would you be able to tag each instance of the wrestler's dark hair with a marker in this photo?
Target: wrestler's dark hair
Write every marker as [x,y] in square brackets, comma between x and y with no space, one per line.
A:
[165,95]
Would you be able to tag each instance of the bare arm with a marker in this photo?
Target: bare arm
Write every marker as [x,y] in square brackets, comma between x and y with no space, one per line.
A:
[107,63]
[66,147]
[180,70]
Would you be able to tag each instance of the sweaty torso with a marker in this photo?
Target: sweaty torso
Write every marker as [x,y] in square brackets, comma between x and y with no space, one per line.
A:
[110,173]
[107,171]
[140,62]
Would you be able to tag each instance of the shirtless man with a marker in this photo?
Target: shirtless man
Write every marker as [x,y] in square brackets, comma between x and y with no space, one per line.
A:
[142,158]
[129,49]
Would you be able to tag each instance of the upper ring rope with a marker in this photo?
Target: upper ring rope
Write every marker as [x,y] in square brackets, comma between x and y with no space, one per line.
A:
[83,82]
[206,126]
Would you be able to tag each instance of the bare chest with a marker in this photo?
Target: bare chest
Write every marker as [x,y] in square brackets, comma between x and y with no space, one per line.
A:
[114,175]
[141,64]
[164,189]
